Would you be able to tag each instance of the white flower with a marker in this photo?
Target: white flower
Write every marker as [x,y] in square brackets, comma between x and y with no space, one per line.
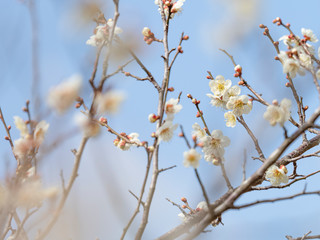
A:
[213,146]
[176,6]
[23,147]
[172,107]
[231,119]
[239,105]
[39,132]
[165,132]
[288,41]
[89,127]
[309,35]
[109,102]
[217,101]
[191,158]
[61,97]
[276,175]
[305,60]
[21,126]
[278,114]
[199,132]
[102,34]
[124,145]
[232,92]
[219,86]
[290,66]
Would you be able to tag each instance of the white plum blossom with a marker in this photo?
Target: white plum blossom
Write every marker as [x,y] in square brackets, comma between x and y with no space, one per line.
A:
[134,139]
[191,158]
[61,97]
[239,105]
[39,132]
[305,60]
[172,107]
[231,119]
[199,132]
[309,35]
[176,6]
[217,101]
[290,66]
[276,175]
[219,86]
[213,146]
[165,132]
[102,34]
[278,114]
[25,145]
[288,41]
[109,102]
[21,126]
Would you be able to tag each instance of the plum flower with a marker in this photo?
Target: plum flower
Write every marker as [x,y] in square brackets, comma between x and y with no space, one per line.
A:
[61,97]
[165,132]
[191,158]
[278,114]
[172,107]
[109,102]
[309,35]
[276,175]
[239,105]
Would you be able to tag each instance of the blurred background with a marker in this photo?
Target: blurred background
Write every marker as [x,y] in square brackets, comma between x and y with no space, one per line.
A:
[100,205]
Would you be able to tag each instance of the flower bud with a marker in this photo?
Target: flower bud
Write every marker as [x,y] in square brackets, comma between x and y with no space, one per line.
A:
[103,120]
[152,118]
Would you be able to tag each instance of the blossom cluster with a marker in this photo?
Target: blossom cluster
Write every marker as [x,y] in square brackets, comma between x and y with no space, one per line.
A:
[165,131]
[170,6]
[101,34]
[298,58]
[277,175]
[26,146]
[228,97]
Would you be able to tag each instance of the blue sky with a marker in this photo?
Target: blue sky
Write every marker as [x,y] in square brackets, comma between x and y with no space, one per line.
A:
[100,194]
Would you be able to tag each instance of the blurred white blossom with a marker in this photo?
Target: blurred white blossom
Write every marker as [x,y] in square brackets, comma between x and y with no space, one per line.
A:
[191,158]
[61,97]
[165,132]
[172,107]
[109,102]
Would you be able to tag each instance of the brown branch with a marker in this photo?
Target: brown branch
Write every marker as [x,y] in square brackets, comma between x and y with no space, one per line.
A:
[275,199]
[177,51]
[225,176]
[254,139]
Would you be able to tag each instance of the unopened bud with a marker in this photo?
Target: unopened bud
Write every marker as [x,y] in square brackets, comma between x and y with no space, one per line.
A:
[200,144]
[151,148]
[278,23]
[189,95]
[170,89]
[198,114]
[275,102]
[236,74]
[180,49]
[208,77]
[153,135]
[276,58]
[284,169]
[24,109]
[152,118]
[185,37]
[261,26]
[183,199]
[146,31]
[194,138]
[288,25]
[103,120]
[305,108]
[288,84]
[9,127]
[181,134]
[6,138]
[184,206]
[241,83]
[238,69]
[194,100]
[77,105]
[127,74]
